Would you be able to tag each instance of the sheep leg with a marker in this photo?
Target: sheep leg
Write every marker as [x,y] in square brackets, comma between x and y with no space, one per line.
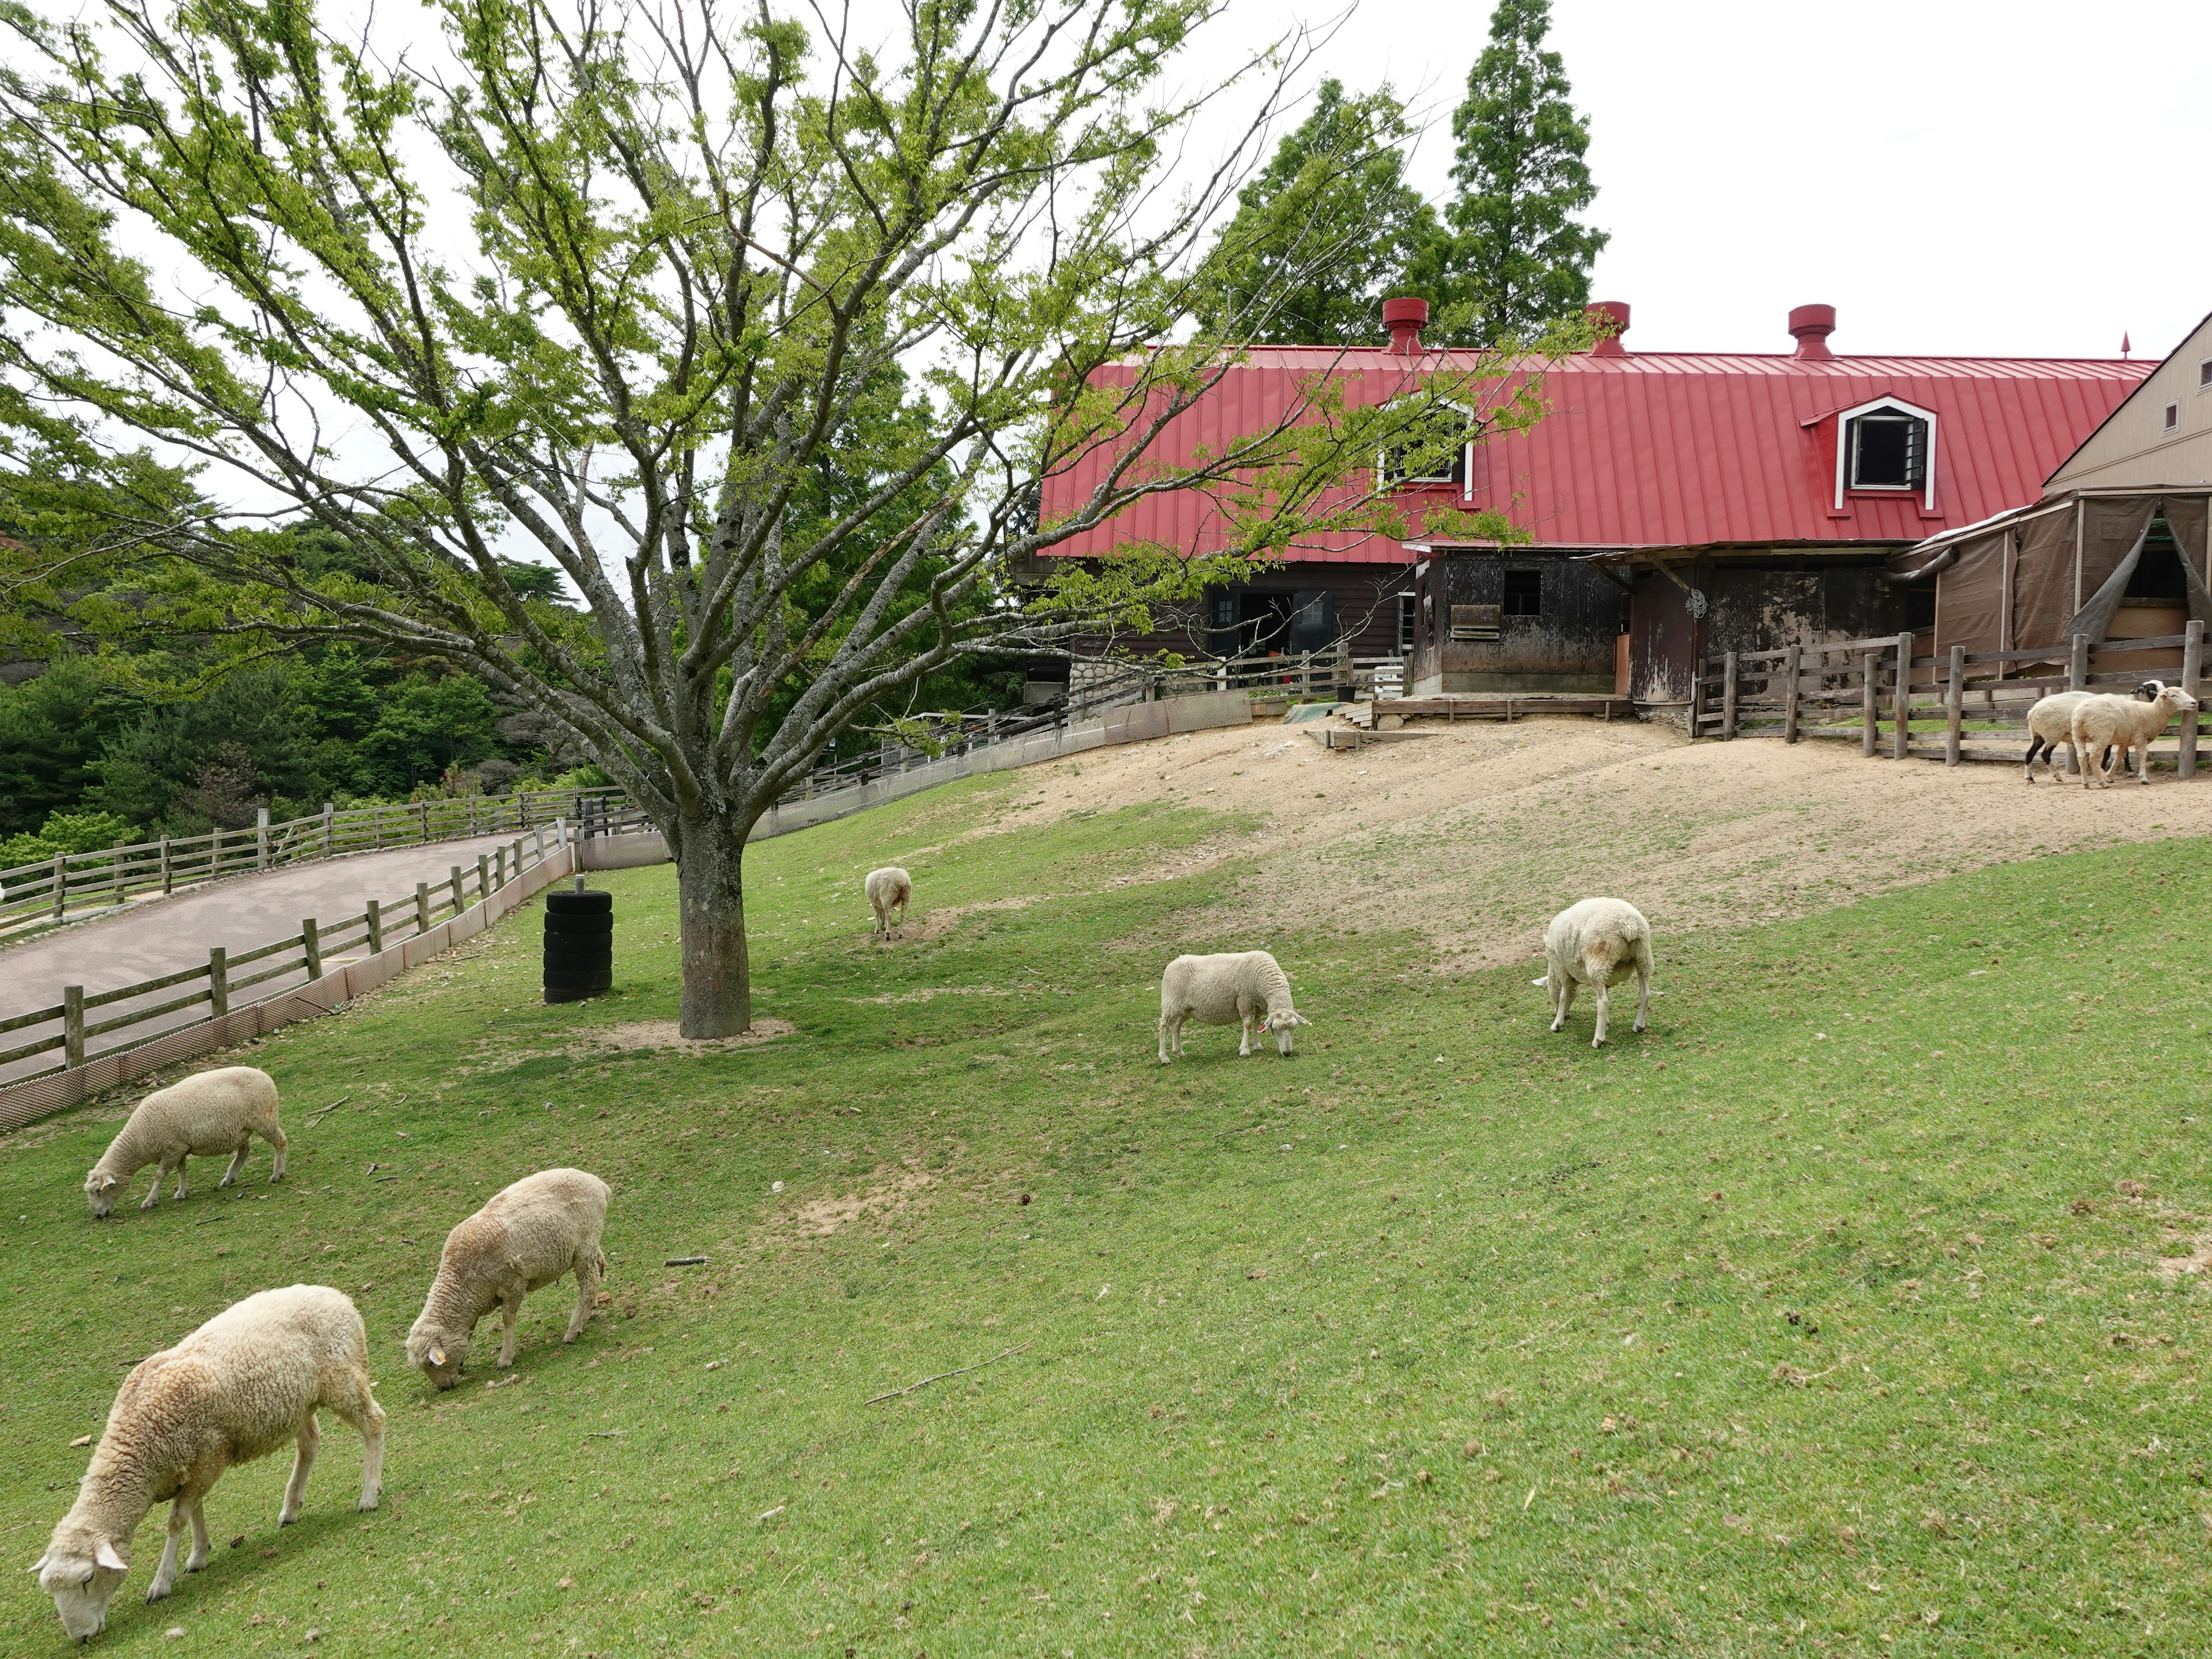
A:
[198,1558]
[165,1576]
[275,1136]
[1563,1001]
[1163,1039]
[587,1284]
[154,1193]
[351,1400]
[510,1308]
[1643,993]
[1603,985]
[182,1159]
[237,1163]
[296,1487]
[1244,1023]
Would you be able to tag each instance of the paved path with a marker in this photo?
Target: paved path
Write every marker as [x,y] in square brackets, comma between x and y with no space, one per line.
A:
[159,936]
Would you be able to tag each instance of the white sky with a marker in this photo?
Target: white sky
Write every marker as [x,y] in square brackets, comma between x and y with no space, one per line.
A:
[1955,177]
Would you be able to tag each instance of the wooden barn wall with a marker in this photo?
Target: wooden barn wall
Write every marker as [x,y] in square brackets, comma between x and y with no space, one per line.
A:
[1569,646]
[1750,606]
[1366,609]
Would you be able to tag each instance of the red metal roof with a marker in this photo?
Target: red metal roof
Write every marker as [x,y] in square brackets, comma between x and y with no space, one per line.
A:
[1668,449]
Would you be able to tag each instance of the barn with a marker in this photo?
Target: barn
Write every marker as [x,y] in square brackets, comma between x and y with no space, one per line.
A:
[1674,505]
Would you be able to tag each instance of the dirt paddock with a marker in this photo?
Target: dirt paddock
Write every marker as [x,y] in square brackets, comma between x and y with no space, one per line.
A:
[1475,836]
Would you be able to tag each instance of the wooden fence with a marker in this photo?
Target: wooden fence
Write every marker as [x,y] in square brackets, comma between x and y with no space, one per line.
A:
[39,894]
[1962,706]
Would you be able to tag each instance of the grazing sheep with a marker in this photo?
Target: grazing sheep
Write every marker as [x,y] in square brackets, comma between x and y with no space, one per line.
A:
[242,1385]
[888,889]
[532,1234]
[1599,942]
[206,1114]
[2123,723]
[1238,987]
[2050,722]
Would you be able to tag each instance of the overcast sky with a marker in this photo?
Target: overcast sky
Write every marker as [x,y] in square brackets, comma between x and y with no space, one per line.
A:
[1955,177]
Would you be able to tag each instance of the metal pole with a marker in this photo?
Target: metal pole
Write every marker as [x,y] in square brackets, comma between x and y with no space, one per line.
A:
[311,940]
[73,1026]
[1955,703]
[218,981]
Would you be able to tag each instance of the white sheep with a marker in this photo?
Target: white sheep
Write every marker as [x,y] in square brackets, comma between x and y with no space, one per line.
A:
[1599,942]
[238,1388]
[2050,722]
[205,1115]
[1237,988]
[2124,723]
[888,889]
[532,1234]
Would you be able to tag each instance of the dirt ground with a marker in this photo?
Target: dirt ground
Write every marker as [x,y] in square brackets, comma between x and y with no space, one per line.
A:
[1476,836]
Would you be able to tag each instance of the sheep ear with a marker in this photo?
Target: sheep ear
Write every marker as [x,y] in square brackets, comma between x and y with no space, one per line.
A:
[437,1355]
[104,1555]
[1301,1019]
[38,1565]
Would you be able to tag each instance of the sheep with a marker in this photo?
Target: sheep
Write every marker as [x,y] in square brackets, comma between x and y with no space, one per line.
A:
[2125,724]
[1243,987]
[530,1235]
[2050,722]
[1598,942]
[237,1388]
[888,889]
[205,1115]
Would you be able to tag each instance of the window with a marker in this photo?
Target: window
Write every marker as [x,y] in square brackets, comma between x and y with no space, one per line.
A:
[1434,450]
[2173,418]
[1524,594]
[1887,450]
[2205,375]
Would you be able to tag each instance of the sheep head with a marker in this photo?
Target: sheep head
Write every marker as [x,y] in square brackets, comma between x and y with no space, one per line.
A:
[100,1193]
[2175,700]
[438,1356]
[82,1575]
[1283,1022]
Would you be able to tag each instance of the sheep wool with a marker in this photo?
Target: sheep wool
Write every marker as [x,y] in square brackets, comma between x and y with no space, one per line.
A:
[2123,723]
[242,1385]
[1236,988]
[888,889]
[1599,942]
[532,1234]
[205,1115]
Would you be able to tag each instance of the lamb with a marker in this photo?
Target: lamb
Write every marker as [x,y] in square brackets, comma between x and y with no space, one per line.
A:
[2124,723]
[205,1115]
[239,1387]
[530,1235]
[888,889]
[2050,722]
[1243,987]
[1598,942]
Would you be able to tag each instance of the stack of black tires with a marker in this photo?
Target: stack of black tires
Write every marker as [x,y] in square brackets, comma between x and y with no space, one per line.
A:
[579,945]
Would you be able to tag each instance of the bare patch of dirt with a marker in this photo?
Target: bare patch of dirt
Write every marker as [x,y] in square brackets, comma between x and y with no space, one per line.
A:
[819,1218]
[936,924]
[930,993]
[666,1034]
[1476,836]
[2198,1259]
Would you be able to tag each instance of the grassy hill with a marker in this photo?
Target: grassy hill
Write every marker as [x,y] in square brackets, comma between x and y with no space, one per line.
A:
[1817,1320]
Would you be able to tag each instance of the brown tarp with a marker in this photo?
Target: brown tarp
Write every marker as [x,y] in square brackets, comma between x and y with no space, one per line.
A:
[2186,516]
[1969,596]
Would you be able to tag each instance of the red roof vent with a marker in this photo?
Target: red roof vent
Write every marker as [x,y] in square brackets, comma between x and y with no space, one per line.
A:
[1612,318]
[1404,317]
[1810,326]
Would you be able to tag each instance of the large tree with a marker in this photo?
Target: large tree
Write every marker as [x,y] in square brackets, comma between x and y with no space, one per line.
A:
[1326,231]
[1518,255]
[610,285]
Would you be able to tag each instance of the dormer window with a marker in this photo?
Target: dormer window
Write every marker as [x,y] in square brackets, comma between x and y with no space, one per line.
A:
[1436,452]
[1887,445]
[1888,451]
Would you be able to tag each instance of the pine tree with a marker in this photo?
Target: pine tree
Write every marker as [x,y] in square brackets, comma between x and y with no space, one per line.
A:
[1516,256]
[1325,231]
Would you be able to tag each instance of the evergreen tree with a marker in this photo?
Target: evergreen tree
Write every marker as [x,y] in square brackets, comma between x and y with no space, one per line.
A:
[1516,256]
[1326,232]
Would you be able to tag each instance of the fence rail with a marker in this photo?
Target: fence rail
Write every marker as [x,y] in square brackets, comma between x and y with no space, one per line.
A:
[1961,706]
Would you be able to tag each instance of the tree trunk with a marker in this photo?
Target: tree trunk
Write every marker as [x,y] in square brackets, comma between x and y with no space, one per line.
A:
[710,891]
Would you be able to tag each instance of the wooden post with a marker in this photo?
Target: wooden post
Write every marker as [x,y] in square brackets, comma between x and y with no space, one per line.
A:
[421,907]
[1902,745]
[471,801]
[2192,669]
[73,1026]
[2077,664]
[1696,697]
[218,981]
[1728,695]
[329,829]
[167,875]
[423,812]
[483,877]
[215,852]
[538,830]
[1870,666]
[261,838]
[115,875]
[1954,705]
[458,906]
[375,927]
[311,940]
[1793,666]
[61,885]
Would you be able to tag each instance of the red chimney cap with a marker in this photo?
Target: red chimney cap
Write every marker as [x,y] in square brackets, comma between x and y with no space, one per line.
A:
[1810,326]
[1612,318]
[1404,317]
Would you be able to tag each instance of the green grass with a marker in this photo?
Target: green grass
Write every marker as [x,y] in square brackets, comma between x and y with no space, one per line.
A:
[1810,1323]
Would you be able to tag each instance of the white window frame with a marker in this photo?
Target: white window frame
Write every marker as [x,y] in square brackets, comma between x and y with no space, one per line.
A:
[2170,418]
[1384,480]
[1843,419]
[2205,375]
